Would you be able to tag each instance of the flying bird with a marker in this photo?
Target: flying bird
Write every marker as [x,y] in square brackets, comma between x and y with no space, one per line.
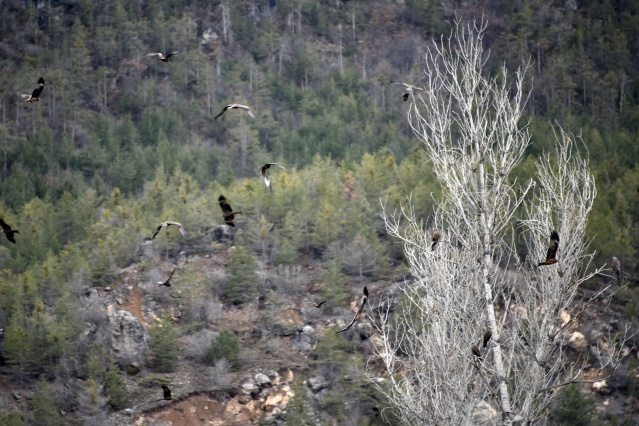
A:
[436,236]
[161,56]
[236,106]
[35,95]
[408,89]
[319,305]
[616,266]
[487,335]
[264,169]
[6,230]
[167,283]
[553,245]
[359,311]
[227,211]
[167,393]
[169,223]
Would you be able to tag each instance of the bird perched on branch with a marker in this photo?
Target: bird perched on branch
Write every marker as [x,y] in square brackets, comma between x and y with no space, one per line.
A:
[167,283]
[236,106]
[227,211]
[487,335]
[436,237]
[264,170]
[359,311]
[8,232]
[616,266]
[161,56]
[35,95]
[553,245]
[169,223]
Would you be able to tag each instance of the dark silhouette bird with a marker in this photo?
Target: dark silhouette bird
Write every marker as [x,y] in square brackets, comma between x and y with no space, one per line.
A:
[167,393]
[167,283]
[6,230]
[35,95]
[319,305]
[227,211]
[408,89]
[359,311]
[169,223]
[553,245]
[436,237]
[487,335]
[236,106]
[161,56]
[616,266]
[264,170]
[476,351]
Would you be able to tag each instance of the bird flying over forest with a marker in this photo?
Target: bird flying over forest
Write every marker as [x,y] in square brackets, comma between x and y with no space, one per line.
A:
[236,106]
[264,170]
[167,393]
[616,266]
[408,89]
[487,335]
[319,305]
[553,245]
[35,95]
[161,56]
[167,283]
[6,230]
[227,211]
[169,223]
[437,234]
[359,311]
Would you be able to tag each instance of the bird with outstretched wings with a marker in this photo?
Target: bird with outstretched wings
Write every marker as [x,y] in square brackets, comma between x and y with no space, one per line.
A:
[227,211]
[169,223]
[235,106]
[553,245]
[359,311]
[161,56]
[8,232]
[167,283]
[264,170]
[35,95]
[408,89]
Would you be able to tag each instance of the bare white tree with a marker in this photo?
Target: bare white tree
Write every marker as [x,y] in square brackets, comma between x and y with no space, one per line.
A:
[481,333]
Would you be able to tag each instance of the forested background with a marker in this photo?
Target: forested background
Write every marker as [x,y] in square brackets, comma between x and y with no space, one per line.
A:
[121,142]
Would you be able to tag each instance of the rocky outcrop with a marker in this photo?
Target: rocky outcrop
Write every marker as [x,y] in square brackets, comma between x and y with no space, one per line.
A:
[129,339]
[305,339]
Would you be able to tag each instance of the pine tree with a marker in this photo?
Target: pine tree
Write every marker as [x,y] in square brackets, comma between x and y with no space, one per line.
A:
[243,282]
[225,346]
[164,347]
[115,388]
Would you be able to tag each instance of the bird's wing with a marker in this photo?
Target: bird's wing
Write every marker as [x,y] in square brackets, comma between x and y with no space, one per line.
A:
[172,272]
[281,167]
[226,207]
[10,237]
[250,113]
[181,229]
[267,182]
[319,305]
[157,230]
[366,291]
[355,318]
[157,55]
[4,226]
[222,112]
[168,55]
[553,245]
[37,91]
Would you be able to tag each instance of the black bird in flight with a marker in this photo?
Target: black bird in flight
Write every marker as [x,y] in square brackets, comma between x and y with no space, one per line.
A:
[161,56]
[167,283]
[264,170]
[436,237]
[167,393]
[35,95]
[553,245]
[236,106]
[616,266]
[487,335]
[319,305]
[227,211]
[359,311]
[169,223]
[6,230]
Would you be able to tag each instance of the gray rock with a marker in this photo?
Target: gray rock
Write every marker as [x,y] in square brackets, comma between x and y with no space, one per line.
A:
[262,380]
[128,411]
[317,383]
[249,387]
[129,338]
[305,339]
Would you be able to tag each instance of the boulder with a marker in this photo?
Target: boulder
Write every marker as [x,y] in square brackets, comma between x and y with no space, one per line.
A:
[262,380]
[129,338]
[578,342]
[317,383]
[248,388]
[305,339]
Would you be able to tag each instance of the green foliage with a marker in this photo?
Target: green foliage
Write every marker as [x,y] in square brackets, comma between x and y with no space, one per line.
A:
[574,407]
[164,347]
[12,418]
[225,345]
[115,388]
[43,406]
[154,380]
[298,411]
[335,290]
[243,282]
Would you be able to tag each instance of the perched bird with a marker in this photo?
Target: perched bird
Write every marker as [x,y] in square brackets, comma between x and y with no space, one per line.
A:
[227,211]
[487,335]
[236,106]
[264,169]
[476,351]
[359,311]
[169,223]
[167,393]
[408,89]
[161,56]
[436,237]
[616,266]
[35,95]
[553,245]
[319,305]
[6,230]
[167,283]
